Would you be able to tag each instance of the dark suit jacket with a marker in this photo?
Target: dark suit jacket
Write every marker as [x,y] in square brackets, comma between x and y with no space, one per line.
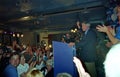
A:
[88,46]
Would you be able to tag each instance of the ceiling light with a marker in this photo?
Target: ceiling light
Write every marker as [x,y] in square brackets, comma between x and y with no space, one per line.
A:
[26,18]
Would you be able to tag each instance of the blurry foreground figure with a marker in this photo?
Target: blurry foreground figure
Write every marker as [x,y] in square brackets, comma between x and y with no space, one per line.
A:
[34,73]
[112,63]
[81,70]
[63,75]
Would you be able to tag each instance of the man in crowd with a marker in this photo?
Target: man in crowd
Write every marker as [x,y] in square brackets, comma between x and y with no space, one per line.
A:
[11,69]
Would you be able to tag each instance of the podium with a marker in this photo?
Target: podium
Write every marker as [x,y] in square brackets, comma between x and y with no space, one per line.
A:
[63,59]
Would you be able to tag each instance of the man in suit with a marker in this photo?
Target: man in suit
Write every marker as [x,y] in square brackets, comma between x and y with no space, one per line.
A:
[88,48]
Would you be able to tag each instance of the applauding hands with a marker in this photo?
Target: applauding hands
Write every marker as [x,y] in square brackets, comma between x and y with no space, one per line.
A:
[80,68]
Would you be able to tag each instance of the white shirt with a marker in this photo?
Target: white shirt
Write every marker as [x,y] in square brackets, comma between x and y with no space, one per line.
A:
[112,62]
[22,69]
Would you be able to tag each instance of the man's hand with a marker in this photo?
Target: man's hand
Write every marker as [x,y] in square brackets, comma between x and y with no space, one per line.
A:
[102,28]
[80,68]
[109,44]
[71,44]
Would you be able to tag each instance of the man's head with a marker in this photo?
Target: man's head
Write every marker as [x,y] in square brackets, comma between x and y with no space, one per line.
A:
[22,59]
[14,59]
[85,26]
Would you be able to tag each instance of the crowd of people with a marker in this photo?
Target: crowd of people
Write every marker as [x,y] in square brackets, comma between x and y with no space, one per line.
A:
[28,61]
[17,61]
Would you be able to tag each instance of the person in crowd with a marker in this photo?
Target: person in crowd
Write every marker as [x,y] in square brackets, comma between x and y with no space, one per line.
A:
[5,56]
[78,24]
[34,73]
[50,69]
[11,69]
[30,56]
[16,46]
[113,39]
[64,75]
[23,67]
[112,63]
[88,48]
[40,63]
[78,38]
[80,68]
[110,33]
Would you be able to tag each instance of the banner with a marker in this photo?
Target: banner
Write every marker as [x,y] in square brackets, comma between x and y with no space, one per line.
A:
[63,59]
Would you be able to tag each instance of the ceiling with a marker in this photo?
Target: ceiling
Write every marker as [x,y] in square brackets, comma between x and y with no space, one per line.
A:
[49,15]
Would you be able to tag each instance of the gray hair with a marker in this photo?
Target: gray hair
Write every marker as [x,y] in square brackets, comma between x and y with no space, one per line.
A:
[88,24]
[64,75]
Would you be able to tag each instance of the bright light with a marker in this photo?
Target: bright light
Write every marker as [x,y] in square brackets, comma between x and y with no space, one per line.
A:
[18,35]
[72,30]
[75,29]
[26,18]
[50,46]
[22,35]
[13,35]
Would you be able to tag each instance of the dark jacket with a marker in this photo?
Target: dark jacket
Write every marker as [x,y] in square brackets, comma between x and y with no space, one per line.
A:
[88,46]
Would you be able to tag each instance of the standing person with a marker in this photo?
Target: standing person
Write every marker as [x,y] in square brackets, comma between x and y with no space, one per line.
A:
[11,69]
[88,48]
[50,68]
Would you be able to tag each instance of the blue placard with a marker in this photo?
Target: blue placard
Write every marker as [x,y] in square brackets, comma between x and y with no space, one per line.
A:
[63,59]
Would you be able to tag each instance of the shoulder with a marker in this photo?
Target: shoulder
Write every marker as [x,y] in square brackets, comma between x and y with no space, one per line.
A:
[10,70]
[26,65]
[10,67]
[92,31]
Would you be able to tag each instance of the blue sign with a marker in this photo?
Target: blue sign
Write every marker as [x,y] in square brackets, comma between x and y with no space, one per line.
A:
[63,59]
